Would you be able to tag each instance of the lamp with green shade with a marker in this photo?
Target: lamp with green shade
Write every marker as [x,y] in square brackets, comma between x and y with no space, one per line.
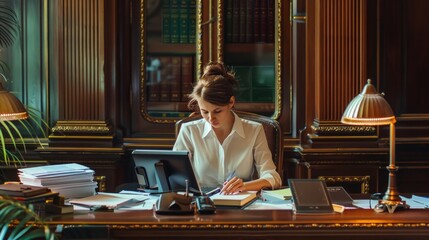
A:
[371,109]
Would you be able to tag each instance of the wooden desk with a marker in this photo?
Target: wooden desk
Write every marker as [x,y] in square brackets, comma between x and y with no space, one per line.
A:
[255,224]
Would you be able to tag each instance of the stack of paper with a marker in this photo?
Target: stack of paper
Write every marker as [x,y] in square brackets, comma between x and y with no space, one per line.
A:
[70,180]
[110,200]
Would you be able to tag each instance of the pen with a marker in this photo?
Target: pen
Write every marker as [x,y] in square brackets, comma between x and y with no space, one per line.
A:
[213,192]
[218,189]
[230,176]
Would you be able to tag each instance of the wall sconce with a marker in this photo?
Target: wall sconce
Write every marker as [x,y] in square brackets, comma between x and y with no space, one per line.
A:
[11,108]
[371,109]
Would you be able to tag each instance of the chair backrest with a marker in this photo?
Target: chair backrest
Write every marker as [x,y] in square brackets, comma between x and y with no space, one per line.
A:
[271,128]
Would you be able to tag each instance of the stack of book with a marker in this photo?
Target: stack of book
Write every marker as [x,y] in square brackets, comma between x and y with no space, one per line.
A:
[26,193]
[70,180]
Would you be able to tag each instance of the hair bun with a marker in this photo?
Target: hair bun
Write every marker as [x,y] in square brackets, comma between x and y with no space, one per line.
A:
[214,69]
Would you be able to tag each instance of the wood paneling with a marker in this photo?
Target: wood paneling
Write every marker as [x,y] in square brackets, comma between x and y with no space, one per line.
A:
[340,55]
[81,46]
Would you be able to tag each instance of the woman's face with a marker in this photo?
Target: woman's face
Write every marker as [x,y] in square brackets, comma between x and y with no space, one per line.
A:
[217,116]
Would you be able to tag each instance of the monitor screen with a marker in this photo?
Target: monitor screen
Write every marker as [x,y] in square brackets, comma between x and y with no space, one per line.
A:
[164,171]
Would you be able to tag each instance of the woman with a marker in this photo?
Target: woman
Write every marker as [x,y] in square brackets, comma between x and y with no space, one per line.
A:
[224,148]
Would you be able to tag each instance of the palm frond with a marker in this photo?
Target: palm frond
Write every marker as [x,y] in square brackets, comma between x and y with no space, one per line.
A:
[9,25]
[17,132]
[19,221]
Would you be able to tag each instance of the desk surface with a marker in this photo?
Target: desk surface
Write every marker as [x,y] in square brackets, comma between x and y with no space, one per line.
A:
[258,224]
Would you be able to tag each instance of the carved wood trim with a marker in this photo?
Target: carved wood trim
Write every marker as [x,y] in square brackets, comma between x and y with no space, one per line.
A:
[362,180]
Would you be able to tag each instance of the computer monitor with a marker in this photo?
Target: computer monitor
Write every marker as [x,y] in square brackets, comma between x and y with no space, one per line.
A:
[164,171]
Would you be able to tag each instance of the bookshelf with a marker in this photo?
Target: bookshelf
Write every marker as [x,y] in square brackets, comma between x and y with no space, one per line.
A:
[248,48]
[179,38]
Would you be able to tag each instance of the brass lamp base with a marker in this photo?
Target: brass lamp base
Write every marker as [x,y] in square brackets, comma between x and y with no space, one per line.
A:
[390,205]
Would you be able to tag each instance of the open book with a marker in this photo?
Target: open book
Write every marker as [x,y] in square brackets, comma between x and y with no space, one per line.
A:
[110,200]
[239,199]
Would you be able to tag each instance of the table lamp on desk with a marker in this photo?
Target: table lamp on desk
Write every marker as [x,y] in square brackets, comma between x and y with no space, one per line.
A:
[371,109]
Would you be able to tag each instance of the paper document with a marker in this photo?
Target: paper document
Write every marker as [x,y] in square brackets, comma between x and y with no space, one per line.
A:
[261,204]
[415,202]
[422,200]
[110,200]
[282,194]
[57,169]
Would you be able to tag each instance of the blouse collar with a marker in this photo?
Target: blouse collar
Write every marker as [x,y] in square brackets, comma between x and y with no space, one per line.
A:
[237,127]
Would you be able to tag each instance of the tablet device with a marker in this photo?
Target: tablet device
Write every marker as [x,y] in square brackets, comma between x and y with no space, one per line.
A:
[340,196]
[310,196]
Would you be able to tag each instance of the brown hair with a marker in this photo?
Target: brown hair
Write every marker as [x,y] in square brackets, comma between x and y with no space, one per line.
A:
[216,86]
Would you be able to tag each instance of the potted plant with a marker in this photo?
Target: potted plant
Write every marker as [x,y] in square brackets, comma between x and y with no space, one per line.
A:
[14,133]
[20,221]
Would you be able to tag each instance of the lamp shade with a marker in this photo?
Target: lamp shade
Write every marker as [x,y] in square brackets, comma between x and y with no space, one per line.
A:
[368,108]
[10,106]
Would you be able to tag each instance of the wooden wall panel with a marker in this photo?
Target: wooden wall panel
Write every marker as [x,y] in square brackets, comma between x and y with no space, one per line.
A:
[403,52]
[340,55]
[81,76]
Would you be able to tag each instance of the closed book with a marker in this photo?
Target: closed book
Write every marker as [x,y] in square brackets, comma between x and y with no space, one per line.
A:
[192,21]
[184,21]
[21,190]
[229,21]
[187,77]
[40,198]
[263,11]
[243,25]
[238,200]
[270,21]
[249,21]
[166,22]
[235,21]
[175,92]
[56,209]
[165,79]
[175,21]
[257,21]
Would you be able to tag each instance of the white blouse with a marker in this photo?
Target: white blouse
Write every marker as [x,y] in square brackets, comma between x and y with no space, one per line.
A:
[246,146]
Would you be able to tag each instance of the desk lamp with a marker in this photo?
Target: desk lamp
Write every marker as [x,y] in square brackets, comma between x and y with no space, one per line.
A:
[11,108]
[371,109]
